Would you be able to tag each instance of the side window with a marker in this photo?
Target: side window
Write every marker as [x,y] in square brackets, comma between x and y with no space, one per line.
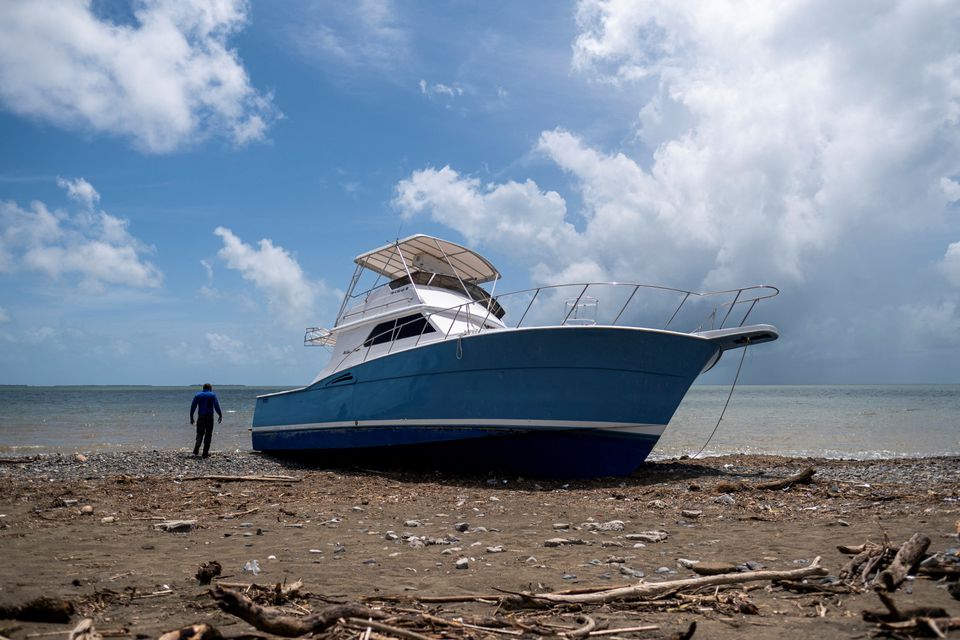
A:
[406,327]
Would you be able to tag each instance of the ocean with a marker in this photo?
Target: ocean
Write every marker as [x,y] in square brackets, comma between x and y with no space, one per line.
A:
[822,421]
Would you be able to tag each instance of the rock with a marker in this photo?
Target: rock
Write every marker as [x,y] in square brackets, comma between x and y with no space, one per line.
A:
[657,504]
[561,525]
[391,535]
[462,563]
[416,543]
[693,486]
[630,572]
[108,520]
[559,542]
[687,564]
[691,514]
[479,529]
[496,549]
[461,526]
[208,571]
[569,576]
[412,523]
[663,570]
[713,568]
[725,498]
[79,457]
[86,510]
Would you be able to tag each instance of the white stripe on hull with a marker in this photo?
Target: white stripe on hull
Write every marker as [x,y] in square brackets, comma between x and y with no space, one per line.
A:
[620,427]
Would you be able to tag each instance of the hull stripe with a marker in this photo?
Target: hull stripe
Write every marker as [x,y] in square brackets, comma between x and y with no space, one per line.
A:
[636,428]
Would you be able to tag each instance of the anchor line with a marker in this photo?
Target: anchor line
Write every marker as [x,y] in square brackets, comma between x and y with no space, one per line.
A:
[725,404]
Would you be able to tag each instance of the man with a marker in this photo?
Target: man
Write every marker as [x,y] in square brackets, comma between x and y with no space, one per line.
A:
[204,403]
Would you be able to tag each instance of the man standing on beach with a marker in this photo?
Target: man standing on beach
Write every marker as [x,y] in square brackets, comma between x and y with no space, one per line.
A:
[204,403]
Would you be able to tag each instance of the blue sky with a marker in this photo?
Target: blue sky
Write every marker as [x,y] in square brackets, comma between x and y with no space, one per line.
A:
[183,186]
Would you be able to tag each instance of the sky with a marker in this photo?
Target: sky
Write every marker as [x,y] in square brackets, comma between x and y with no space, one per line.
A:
[184,185]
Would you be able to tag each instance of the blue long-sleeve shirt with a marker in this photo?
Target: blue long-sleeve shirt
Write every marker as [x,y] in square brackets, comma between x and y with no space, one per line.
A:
[204,403]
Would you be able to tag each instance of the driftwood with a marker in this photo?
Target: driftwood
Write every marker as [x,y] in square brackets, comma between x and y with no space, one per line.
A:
[41,609]
[272,621]
[924,620]
[655,589]
[804,477]
[193,632]
[254,478]
[906,561]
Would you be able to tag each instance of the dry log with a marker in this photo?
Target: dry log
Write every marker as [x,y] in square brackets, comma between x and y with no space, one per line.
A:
[272,621]
[254,478]
[654,589]
[804,477]
[193,632]
[905,562]
[41,609]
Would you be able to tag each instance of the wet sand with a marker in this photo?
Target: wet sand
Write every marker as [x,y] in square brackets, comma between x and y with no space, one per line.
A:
[358,535]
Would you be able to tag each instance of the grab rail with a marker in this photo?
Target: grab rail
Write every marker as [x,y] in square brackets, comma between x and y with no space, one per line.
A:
[743,296]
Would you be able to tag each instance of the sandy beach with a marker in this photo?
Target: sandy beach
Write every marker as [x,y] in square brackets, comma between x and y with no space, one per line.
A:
[84,529]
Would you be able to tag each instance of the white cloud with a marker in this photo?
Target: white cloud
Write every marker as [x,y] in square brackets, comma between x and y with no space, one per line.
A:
[950,265]
[226,348]
[165,81]
[365,34]
[80,191]
[93,245]
[775,133]
[951,189]
[276,273]
[4,316]
[517,216]
[440,90]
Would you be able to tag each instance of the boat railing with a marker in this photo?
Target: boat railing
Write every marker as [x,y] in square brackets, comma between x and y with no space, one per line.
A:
[731,307]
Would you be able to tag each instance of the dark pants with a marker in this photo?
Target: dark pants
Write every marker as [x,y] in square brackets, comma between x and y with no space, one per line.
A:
[204,434]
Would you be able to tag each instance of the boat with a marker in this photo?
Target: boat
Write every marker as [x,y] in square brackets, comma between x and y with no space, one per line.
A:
[428,365]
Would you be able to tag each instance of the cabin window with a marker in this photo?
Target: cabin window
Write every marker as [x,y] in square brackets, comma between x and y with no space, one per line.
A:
[406,327]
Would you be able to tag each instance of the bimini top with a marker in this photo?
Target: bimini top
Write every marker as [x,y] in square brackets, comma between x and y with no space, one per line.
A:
[432,255]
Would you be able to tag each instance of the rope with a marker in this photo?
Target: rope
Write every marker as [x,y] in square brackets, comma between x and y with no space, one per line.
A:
[725,404]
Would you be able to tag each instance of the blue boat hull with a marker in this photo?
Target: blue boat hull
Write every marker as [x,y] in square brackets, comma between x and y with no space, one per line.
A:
[561,401]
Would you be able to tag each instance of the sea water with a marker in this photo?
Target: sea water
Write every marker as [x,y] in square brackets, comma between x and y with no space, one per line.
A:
[822,421]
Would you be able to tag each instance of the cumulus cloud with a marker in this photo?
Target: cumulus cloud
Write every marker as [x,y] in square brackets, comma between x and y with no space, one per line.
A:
[81,191]
[94,245]
[950,265]
[772,132]
[275,273]
[163,81]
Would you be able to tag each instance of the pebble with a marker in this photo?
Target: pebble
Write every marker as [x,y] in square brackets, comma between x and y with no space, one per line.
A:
[462,563]
[461,526]
[412,523]
[496,549]
[691,514]
[86,509]
[648,536]
[725,498]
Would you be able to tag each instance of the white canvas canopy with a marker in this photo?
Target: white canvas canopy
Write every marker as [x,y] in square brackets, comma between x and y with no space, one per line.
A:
[426,253]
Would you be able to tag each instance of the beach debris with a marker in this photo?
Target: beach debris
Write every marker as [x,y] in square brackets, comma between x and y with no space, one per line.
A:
[252,566]
[647,536]
[250,478]
[804,477]
[42,609]
[193,632]
[208,571]
[883,565]
[108,519]
[923,620]
[176,526]
[289,626]
[645,590]
[84,631]
[86,510]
